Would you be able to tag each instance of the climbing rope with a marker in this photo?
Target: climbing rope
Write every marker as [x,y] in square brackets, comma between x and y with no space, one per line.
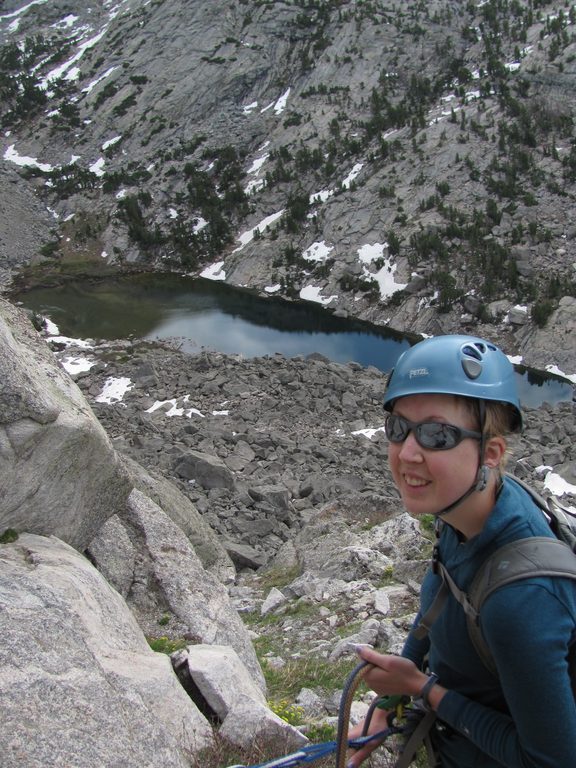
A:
[312,752]
[352,682]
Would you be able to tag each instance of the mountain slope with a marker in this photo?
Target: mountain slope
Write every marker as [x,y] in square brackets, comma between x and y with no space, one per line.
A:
[409,163]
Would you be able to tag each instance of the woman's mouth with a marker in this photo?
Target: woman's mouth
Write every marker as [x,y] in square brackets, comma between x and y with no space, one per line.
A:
[414,482]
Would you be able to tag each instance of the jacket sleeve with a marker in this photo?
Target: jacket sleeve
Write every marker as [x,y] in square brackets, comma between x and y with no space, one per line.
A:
[415,649]
[528,627]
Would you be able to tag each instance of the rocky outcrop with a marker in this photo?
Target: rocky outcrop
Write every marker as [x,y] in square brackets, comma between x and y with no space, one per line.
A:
[59,474]
[25,224]
[153,565]
[555,341]
[232,698]
[79,684]
[205,543]
[74,650]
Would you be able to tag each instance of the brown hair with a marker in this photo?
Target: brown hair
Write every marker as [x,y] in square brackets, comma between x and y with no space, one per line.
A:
[500,420]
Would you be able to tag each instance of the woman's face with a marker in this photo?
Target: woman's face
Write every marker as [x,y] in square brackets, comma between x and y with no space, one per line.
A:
[428,481]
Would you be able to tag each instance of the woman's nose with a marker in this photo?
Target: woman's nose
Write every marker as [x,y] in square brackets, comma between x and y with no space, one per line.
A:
[410,450]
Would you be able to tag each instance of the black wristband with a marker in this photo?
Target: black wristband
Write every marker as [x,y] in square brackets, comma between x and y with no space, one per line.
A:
[426,688]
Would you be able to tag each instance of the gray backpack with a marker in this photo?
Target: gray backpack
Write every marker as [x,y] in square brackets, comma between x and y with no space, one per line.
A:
[521,559]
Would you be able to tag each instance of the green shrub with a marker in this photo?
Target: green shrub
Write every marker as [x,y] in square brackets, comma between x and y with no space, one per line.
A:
[9,536]
[541,311]
[50,249]
[288,712]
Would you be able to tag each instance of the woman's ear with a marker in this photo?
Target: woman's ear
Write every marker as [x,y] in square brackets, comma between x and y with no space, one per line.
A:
[494,451]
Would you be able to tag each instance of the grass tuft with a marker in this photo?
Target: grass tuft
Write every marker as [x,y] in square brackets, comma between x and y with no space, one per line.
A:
[165,644]
[287,681]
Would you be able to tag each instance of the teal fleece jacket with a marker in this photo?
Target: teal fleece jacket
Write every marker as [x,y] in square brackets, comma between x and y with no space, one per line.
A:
[525,717]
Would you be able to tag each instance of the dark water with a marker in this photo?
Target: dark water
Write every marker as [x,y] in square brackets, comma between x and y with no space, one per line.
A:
[207,314]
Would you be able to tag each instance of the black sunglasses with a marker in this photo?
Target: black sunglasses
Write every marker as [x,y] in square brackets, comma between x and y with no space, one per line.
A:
[432,435]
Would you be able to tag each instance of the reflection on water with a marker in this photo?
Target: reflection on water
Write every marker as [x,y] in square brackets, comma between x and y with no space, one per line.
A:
[537,387]
[214,329]
[207,314]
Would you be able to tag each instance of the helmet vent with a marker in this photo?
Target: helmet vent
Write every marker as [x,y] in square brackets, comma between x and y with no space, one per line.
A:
[476,351]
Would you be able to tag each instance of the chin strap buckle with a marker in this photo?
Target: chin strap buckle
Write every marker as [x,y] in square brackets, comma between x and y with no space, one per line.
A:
[482,479]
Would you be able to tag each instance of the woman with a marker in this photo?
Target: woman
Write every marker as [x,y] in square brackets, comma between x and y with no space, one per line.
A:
[451,402]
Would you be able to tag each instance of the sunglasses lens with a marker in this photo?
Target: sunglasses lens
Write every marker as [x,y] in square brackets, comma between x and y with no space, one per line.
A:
[430,434]
[438,437]
[397,429]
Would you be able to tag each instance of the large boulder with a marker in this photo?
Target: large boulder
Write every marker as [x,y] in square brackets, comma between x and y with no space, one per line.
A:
[59,474]
[226,688]
[181,511]
[79,684]
[151,562]
[209,471]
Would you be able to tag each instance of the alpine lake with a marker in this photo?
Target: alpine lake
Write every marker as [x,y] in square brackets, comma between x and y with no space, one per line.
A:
[200,314]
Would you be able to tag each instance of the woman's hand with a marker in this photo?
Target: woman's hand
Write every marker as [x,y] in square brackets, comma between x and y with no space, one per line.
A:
[378,722]
[390,675]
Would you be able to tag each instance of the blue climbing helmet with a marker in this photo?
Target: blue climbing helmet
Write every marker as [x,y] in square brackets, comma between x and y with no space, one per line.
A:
[455,365]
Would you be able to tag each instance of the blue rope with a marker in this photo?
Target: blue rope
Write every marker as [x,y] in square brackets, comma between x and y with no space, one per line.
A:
[312,752]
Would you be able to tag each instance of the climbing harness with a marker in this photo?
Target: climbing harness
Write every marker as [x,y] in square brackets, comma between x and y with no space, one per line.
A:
[406,719]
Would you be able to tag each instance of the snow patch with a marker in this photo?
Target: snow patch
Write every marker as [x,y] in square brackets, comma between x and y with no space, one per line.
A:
[314,293]
[318,252]
[248,236]
[75,365]
[24,161]
[352,175]
[214,272]
[114,390]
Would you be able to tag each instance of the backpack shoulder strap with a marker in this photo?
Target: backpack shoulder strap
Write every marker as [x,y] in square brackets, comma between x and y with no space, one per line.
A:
[561,519]
[521,559]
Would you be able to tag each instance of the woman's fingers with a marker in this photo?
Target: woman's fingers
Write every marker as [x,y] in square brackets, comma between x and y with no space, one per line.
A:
[390,674]
[378,722]
[368,654]
[358,757]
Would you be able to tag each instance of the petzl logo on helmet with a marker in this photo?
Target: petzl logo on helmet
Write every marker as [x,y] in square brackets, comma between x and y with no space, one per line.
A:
[415,372]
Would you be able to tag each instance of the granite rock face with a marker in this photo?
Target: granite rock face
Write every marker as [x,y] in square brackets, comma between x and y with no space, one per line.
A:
[76,668]
[59,474]
[149,559]
[77,674]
